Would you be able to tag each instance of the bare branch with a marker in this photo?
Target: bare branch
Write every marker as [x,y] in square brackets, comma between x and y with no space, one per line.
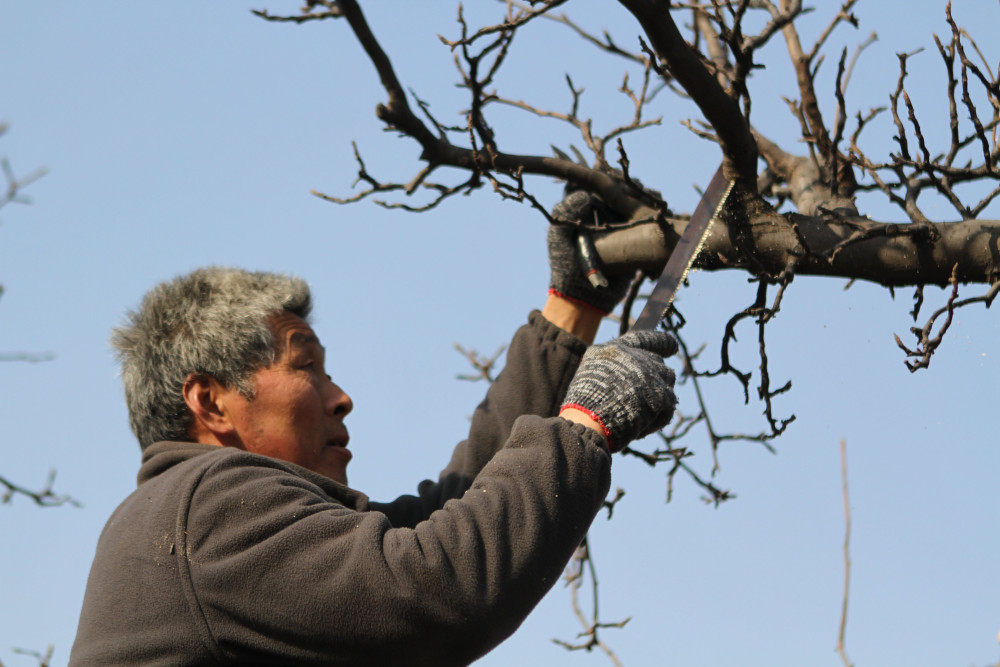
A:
[309,12]
[843,16]
[604,43]
[719,107]
[29,357]
[44,659]
[927,343]
[912,175]
[44,498]
[779,19]
[13,192]
[841,646]
[511,22]
[579,567]
[484,366]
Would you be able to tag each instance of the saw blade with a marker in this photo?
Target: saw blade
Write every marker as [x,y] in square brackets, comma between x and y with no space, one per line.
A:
[684,253]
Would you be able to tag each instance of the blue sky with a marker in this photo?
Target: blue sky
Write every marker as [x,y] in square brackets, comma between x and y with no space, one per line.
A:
[183,134]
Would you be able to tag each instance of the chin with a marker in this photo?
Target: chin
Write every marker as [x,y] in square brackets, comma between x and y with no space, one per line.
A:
[336,475]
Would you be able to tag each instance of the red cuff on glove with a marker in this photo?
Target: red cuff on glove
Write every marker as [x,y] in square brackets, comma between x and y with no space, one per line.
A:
[593,415]
[554,291]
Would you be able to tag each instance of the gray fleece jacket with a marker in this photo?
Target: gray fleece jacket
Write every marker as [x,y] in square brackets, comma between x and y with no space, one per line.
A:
[221,557]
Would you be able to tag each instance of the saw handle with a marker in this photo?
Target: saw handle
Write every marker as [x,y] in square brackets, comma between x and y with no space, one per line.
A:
[590,262]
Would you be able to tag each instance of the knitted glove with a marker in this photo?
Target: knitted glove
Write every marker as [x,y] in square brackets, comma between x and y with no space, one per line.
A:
[625,386]
[568,277]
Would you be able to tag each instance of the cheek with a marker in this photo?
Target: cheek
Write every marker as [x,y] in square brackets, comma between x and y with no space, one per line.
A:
[286,410]
[305,410]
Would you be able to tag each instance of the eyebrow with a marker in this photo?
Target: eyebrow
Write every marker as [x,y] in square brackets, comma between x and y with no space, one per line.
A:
[302,338]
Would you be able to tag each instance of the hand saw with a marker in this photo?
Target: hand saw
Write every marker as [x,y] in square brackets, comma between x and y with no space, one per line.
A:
[681,259]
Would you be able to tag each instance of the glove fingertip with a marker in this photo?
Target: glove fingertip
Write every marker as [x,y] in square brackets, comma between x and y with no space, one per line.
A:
[658,342]
[669,347]
[573,207]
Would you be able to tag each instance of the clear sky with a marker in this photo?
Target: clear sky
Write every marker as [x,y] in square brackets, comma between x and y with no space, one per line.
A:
[190,133]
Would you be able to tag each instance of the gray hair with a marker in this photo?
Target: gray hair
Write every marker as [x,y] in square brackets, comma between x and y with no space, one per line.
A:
[212,321]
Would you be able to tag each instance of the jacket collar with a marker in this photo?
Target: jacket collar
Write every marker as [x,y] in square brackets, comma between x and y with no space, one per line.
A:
[162,456]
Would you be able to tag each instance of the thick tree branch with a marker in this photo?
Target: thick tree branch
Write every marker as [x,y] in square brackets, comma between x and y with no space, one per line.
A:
[827,245]
[807,185]
[719,107]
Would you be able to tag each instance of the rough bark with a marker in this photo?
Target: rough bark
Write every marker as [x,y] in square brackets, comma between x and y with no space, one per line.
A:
[854,247]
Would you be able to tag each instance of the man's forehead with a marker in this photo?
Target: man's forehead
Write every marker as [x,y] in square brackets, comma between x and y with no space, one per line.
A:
[289,328]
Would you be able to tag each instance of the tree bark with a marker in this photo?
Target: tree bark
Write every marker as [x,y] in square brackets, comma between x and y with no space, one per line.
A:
[856,247]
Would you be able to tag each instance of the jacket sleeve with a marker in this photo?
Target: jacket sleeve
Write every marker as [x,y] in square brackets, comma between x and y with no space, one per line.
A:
[280,573]
[541,361]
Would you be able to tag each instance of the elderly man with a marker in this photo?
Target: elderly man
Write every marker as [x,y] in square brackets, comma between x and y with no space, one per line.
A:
[243,544]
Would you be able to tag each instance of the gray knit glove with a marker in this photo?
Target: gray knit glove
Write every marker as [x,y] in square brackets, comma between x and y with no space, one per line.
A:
[625,386]
[568,275]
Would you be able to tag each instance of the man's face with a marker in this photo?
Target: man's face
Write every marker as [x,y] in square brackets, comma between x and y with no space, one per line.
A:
[297,413]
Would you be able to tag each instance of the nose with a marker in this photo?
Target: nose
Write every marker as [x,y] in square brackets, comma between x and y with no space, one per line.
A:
[339,404]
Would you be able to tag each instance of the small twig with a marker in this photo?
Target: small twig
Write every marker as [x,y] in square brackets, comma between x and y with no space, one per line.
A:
[927,344]
[841,648]
[44,498]
[333,11]
[12,192]
[44,659]
[28,357]
[604,43]
[918,301]
[582,564]
[512,22]
[483,365]
[610,504]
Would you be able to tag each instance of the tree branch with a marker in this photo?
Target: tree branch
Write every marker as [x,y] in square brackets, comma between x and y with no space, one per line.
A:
[841,645]
[719,107]
[44,498]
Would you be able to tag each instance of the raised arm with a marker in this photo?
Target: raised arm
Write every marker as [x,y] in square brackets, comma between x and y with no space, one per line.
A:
[541,360]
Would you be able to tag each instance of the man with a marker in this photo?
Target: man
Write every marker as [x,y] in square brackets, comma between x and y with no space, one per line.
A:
[243,544]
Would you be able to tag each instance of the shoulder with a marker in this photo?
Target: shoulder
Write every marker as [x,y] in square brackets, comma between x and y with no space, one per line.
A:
[199,479]
[234,502]
[232,471]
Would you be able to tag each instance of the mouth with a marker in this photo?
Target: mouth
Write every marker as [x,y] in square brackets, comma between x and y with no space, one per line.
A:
[339,441]
[337,447]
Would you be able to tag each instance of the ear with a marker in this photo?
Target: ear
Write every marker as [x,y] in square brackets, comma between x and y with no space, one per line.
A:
[207,398]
